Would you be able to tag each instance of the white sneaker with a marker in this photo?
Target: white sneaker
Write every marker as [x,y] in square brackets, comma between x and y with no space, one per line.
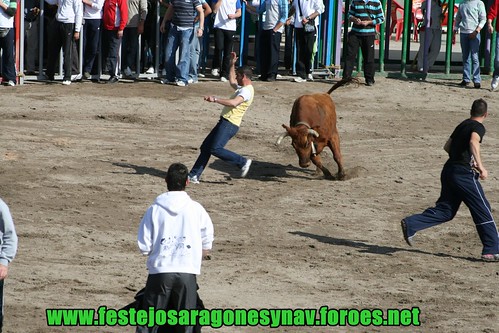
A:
[201,75]
[150,70]
[193,179]
[191,81]
[76,77]
[215,72]
[299,79]
[127,71]
[310,77]
[11,83]
[495,83]
[180,83]
[245,168]
[66,82]
[278,76]
[223,79]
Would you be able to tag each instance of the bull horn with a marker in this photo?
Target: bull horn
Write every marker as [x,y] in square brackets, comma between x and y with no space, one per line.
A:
[283,135]
[313,132]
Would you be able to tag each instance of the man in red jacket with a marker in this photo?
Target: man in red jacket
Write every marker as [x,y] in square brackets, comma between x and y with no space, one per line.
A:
[114,20]
[491,15]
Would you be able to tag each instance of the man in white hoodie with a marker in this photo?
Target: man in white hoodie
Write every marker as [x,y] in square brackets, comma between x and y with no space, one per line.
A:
[175,233]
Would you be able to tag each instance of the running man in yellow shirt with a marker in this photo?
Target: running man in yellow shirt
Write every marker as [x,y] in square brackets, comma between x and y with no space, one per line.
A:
[229,123]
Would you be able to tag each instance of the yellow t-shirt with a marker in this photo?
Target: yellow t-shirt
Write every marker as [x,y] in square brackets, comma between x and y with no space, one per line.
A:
[235,114]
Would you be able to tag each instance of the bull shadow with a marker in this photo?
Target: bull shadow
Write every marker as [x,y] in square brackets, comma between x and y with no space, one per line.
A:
[133,169]
[374,249]
[264,171]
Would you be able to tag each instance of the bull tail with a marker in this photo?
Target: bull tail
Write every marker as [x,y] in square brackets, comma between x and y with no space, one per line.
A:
[342,83]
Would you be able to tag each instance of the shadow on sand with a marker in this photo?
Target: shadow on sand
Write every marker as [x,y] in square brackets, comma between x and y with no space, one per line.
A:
[370,248]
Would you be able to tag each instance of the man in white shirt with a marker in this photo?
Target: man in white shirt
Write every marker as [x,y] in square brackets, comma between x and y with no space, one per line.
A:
[65,30]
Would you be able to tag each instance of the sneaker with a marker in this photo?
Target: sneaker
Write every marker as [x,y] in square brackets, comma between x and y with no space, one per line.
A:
[245,168]
[464,83]
[180,83]
[76,77]
[127,71]
[299,79]
[490,257]
[215,72]
[113,79]
[201,75]
[66,82]
[190,81]
[369,83]
[495,83]
[477,85]
[150,70]
[310,77]
[87,76]
[278,76]
[193,179]
[223,79]
[408,240]
[10,83]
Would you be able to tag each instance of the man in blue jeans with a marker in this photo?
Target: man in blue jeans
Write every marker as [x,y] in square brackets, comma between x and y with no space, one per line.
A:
[460,183]
[470,19]
[228,125]
[182,14]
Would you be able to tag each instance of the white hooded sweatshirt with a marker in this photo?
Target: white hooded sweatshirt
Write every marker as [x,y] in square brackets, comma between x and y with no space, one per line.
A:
[173,232]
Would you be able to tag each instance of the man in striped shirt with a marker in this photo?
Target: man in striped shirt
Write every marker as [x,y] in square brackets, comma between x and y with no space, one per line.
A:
[182,14]
[365,15]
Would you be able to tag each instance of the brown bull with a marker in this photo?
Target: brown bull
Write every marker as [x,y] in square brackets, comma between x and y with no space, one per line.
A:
[313,127]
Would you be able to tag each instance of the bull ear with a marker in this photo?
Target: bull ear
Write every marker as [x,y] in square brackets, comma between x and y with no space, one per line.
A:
[286,127]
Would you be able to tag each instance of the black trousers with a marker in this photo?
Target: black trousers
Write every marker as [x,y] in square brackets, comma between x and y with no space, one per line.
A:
[61,36]
[224,42]
[305,48]
[366,44]
[173,291]
[31,37]
[288,46]
[111,47]
[91,35]
[129,48]
[269,54]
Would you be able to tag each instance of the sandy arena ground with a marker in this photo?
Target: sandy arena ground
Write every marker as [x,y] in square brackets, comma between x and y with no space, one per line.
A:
[81,164]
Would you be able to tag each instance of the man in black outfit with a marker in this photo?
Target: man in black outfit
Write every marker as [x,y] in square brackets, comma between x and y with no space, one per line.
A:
[460,183]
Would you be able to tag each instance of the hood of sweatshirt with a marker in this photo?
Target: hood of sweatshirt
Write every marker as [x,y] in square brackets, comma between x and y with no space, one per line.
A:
[173,202]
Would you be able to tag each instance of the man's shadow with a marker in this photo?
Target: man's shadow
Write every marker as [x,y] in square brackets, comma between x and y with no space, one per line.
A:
[140,169]
[369,248]
[263,171]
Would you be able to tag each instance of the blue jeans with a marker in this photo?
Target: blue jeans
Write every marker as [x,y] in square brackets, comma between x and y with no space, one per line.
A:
[496,59]
[214,145]
[8,62]
[194,57]
[471,62]
[181,40]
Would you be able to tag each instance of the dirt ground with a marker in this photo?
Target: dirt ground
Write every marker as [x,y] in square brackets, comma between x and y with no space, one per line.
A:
[81,164]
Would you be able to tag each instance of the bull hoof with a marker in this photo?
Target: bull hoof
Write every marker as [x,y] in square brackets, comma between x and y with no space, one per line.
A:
[341,176]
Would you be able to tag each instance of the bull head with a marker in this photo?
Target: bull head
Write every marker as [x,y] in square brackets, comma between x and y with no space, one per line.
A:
[301,142]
